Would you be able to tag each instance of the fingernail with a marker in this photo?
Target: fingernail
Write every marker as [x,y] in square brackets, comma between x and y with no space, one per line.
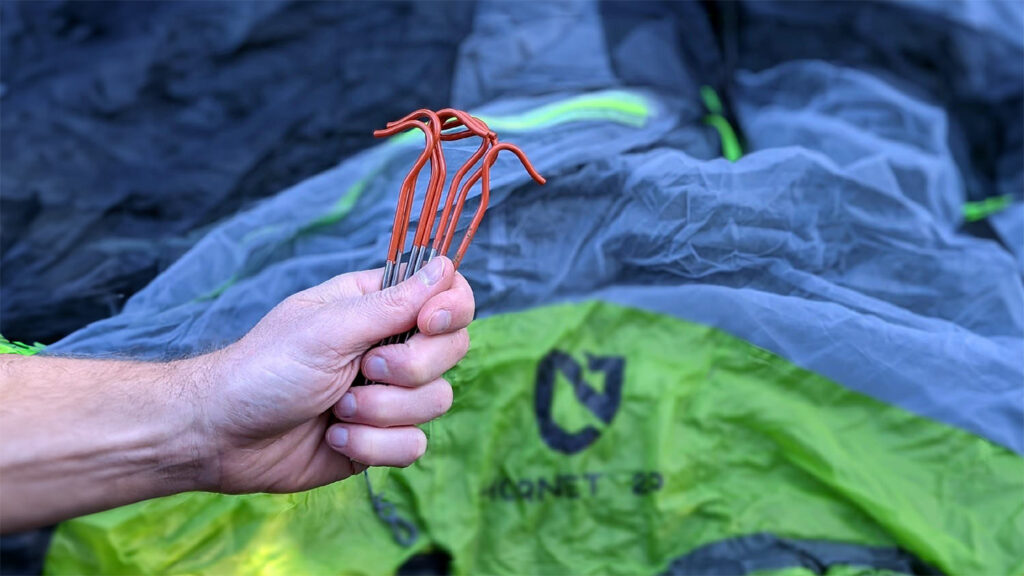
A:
[376,368]
[439,322]
[337,436]
[347,406]
[432,272]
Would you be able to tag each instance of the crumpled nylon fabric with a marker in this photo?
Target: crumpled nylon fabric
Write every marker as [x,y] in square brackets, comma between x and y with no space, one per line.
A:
[834,244]
[864,254]
[964,57]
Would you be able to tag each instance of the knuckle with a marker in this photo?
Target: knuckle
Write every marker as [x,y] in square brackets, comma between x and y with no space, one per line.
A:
[392,299]
[412,365]
[366,450]
[368,404]
[418,373]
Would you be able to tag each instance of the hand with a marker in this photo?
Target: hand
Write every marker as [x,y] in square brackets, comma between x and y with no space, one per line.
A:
[269,399]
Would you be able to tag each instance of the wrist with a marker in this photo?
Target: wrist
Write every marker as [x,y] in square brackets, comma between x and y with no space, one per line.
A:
[188,436]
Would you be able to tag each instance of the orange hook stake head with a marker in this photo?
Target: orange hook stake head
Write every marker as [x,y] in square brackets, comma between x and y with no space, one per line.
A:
[405,197]
[438,127]
[485,191]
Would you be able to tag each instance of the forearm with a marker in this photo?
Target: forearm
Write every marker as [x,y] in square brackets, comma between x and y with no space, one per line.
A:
[79,436]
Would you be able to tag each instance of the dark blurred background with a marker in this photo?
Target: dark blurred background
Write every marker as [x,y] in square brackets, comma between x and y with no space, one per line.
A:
[129,128]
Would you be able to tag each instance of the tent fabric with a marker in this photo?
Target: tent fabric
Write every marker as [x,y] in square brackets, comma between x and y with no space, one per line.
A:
[341,220]
[844,252]
[962,56]
[769,554]
[595,439]
[811,347]
[130,129]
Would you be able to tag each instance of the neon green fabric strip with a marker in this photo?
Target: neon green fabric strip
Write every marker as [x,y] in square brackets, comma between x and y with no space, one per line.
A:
[614,105]
[216,292]
[731,148]
[618,106]
[343,206]
[975,211]
[20,348]
[596,439]
[711,100]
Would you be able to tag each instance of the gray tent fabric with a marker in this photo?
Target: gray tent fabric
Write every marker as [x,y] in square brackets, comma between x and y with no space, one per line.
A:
[560,46]
[217,291]
[221,104]
[964,57]
[763,552]
[1009,226]
[829,115]
[782,244]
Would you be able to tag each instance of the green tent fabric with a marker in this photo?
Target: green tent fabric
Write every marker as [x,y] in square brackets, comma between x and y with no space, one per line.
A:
[597,439]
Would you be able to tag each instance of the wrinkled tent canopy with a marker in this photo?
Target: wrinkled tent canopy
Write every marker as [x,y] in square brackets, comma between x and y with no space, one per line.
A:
[797,362]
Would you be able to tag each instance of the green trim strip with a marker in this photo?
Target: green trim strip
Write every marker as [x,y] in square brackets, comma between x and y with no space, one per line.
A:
[975,211]
[338,211]
[20,348]
[711,100]
[614,106]
[731,148]
[216,292]
[343,206]
[611,105]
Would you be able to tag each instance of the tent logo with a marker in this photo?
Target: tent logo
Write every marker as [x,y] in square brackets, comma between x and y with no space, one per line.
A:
[603,405]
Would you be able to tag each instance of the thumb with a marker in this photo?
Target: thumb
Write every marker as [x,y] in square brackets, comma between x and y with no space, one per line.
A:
[394,310]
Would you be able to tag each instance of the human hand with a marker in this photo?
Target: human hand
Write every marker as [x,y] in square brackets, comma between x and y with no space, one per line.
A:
[266,402]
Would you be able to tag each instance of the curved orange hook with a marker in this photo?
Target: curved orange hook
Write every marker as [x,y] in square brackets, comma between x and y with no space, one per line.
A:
[472,123]
[482,174]
[438,174]
[405,197]
[485,191]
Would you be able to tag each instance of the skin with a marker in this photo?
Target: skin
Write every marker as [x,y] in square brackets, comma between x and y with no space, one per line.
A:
[273,412]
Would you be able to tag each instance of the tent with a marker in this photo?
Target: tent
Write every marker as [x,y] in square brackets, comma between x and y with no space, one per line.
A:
[798,361]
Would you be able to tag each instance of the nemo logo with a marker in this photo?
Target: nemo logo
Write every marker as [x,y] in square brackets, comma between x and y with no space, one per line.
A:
[602,404]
